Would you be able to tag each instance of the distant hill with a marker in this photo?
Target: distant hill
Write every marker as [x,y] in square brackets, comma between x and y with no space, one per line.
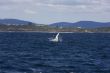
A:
[14,22]
[82,24]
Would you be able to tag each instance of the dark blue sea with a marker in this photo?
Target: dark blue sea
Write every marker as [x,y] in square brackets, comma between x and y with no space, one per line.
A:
[31,52]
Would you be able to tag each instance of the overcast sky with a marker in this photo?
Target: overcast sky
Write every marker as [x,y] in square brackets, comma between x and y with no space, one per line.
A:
[50,11]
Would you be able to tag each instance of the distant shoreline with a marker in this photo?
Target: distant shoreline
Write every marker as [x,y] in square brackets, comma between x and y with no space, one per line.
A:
[53,32]
[38,31]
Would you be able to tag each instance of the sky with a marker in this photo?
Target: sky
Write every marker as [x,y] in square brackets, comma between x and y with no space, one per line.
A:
[51,11]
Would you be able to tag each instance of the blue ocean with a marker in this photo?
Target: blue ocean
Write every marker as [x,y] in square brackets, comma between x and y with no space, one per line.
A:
[32,52]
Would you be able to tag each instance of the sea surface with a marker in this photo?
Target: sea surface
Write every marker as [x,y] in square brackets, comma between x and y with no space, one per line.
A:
[31,52]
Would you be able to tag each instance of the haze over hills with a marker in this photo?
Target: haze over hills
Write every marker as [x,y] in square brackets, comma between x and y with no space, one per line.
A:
[14,22]
[82,24]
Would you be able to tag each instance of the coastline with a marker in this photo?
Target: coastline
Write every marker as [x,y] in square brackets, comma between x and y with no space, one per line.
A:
[53,32]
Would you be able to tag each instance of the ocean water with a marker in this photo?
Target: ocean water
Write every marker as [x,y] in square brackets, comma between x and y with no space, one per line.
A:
[31,52]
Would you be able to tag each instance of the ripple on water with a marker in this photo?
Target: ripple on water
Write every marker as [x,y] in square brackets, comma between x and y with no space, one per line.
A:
[33,53]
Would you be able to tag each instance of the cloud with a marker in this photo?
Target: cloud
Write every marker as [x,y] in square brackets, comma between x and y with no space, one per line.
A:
[30,11]
[70,2]
[59,3]
[59,8]
[88,5]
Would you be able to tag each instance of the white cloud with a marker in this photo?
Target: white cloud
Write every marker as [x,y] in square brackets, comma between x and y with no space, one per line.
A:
[60,8]
[104,4]
[30,11]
